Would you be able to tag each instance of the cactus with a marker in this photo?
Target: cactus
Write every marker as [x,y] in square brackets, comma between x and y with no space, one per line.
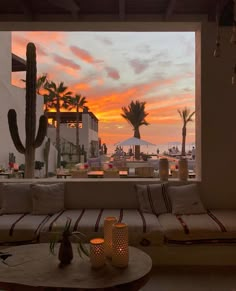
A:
[31,143]
[46,155]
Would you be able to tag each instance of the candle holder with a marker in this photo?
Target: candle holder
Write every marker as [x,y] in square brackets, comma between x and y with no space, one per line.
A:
[97,254]
[108,223]
[183,169]
[120,246]
[163,169]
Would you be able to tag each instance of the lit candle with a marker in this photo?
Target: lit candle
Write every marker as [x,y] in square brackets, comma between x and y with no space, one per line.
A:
[120,246]
[97,254]
[108,223]
[163,169]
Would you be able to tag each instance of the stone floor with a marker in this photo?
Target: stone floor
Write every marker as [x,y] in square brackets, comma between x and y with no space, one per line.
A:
[192,279]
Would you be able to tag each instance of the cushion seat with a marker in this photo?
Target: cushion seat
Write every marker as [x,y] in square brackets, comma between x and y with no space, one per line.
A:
[20,227]
[213,226]
[142,226]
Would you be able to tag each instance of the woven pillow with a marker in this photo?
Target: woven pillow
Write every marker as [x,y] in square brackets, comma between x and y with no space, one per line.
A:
[152,198]
[16,198]
[48,198]
[185,199]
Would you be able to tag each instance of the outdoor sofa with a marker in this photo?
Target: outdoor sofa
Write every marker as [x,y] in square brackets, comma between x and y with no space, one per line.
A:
[168,221]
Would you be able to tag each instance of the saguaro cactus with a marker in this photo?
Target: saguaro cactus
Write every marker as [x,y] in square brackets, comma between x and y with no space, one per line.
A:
[31,143]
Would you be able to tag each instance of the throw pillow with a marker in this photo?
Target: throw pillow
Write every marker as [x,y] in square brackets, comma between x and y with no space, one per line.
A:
[185,199]
[16,198]
[152,198]
[48,198]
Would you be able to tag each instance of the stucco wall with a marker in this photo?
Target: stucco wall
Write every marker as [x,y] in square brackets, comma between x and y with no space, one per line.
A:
[14,97]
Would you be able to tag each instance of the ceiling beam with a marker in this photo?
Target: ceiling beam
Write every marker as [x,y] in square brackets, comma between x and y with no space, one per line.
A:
[170,9]
[122,9]
[69,5]
[28,11]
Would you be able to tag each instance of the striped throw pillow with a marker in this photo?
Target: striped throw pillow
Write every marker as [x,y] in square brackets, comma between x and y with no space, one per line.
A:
[152,198]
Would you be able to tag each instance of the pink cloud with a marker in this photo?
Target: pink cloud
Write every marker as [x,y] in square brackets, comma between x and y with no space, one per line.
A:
[112,73]
[19,47]
[138,65]
[82,54]
[66,62]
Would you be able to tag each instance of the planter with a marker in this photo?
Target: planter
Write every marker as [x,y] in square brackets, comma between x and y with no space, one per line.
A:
[111,174]
[79,174]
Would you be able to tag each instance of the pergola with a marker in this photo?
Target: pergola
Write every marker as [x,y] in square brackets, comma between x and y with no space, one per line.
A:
[114,10]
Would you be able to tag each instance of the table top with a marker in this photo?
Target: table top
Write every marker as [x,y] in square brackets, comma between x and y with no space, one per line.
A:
[33,266]
[95,174]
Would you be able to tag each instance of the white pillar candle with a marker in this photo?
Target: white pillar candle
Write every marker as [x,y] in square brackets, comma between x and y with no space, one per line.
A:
[108,222]
[97,254]
[120,246]
[163,169]
[183,169]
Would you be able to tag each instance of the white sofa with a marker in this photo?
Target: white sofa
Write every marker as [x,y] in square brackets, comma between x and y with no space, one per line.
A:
[207,238]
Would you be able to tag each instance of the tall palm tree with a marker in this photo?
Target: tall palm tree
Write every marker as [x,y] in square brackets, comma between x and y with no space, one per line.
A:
[186,117]
[77,102]
[41,83]
[59,97]
[135,114]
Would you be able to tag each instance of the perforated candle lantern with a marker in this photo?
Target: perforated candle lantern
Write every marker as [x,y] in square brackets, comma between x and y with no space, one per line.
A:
[183,169]
[120,247]
[97,254]
[163,169]
[108,222]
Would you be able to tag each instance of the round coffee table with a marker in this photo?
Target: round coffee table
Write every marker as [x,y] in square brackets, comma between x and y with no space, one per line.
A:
[32,267]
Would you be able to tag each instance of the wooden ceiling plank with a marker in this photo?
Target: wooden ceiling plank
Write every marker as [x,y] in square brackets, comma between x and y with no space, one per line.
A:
[28,11]
[122,9]
[170,9]
[69,5]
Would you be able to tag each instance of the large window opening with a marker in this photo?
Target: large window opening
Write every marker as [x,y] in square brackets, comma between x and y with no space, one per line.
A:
[112,69]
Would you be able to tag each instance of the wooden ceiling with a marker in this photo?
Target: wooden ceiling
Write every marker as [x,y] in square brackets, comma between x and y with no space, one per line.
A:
[114,10]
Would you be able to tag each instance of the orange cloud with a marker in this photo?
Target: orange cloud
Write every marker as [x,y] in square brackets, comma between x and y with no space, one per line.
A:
[66,62]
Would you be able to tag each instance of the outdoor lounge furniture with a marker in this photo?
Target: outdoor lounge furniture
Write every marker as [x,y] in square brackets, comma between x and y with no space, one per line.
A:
[204,237]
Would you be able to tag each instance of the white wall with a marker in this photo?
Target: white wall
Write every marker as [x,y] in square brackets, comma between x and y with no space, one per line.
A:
[13,97]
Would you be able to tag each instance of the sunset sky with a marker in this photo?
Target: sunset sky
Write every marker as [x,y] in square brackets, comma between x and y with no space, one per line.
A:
[113,68]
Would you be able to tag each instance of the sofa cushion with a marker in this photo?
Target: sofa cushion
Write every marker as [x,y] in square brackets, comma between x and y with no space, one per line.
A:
[185,199]
[20,227]
[142,226]
[152,198]
[213,226]
[16,198]
[47,198]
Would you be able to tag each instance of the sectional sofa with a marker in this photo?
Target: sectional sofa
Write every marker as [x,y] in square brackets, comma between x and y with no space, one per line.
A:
[168,221]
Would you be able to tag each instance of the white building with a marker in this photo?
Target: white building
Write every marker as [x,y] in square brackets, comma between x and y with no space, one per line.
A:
[88,131]
[13,97]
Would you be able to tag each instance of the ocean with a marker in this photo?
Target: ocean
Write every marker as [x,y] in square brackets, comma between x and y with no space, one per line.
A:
[152,149]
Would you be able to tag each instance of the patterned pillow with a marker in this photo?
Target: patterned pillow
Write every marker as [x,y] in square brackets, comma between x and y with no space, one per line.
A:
[48,198]
[185,199]
[152,198]
[16,198]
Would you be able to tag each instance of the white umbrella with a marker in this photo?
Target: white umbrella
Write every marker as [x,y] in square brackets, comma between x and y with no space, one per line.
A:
[133,141]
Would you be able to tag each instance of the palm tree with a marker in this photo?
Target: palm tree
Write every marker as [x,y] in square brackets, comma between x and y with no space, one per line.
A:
[135,115]
[41,83]
[77,102]
[186,117]
[59,97]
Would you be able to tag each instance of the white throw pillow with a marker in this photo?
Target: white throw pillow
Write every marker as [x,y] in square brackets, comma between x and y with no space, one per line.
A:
[48,198]
[16,198]
[185,199]
[152,198]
